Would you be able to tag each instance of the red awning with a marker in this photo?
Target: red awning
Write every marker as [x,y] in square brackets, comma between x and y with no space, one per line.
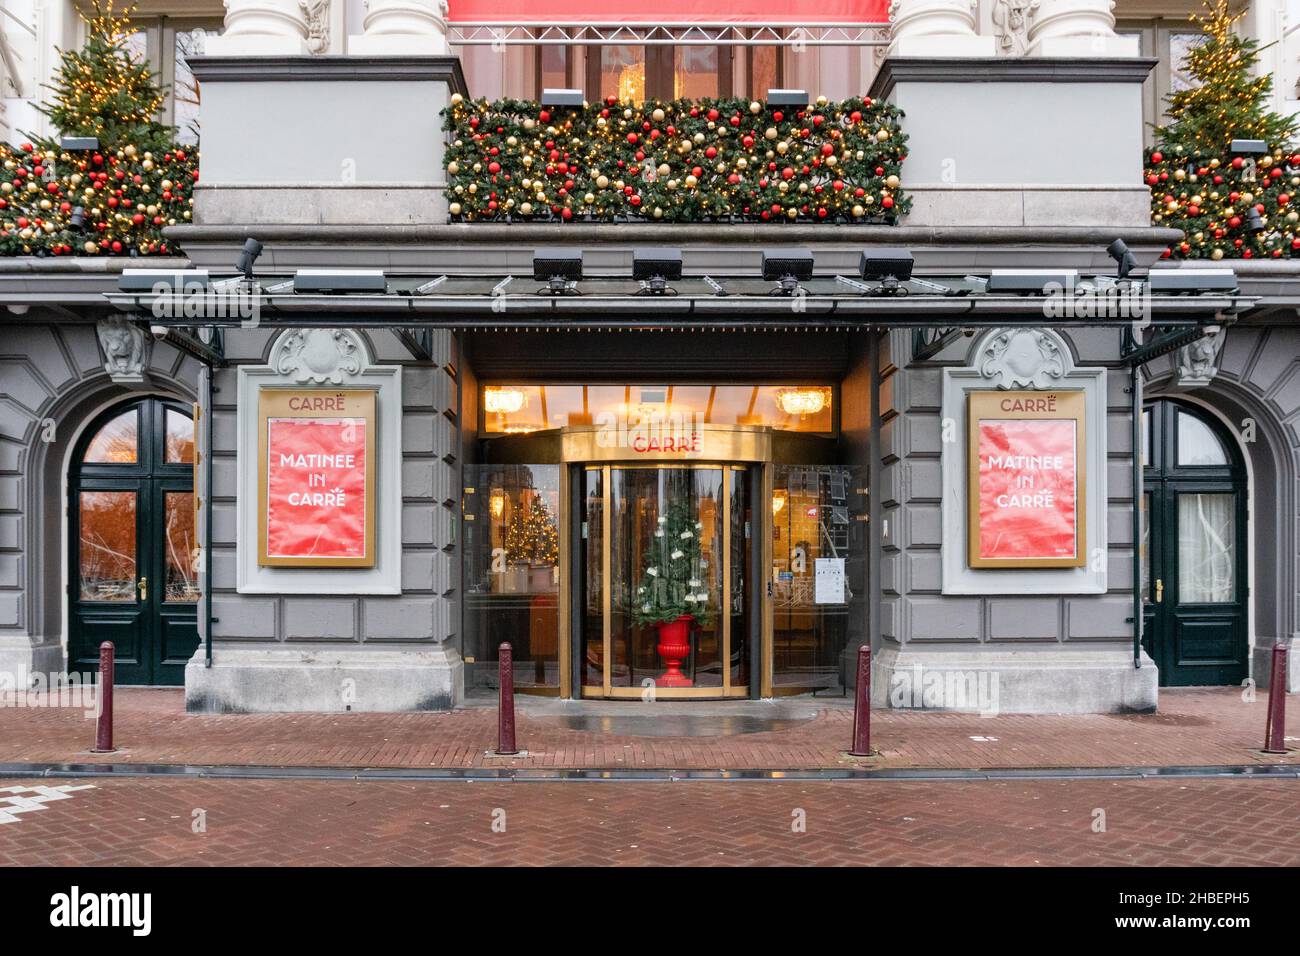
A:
[667,12]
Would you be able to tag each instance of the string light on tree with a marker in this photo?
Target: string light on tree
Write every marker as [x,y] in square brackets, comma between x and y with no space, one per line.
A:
[1227,205]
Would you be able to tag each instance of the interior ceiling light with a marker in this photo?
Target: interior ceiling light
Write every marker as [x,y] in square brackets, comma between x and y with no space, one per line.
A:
[502,401]
[801,401]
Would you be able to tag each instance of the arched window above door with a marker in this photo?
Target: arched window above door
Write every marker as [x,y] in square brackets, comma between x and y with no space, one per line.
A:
[117,442]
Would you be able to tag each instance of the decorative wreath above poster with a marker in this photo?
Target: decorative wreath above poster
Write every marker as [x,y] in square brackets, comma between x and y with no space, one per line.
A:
[701,160]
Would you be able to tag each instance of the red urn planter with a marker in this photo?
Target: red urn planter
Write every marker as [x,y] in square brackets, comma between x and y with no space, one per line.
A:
[674,646]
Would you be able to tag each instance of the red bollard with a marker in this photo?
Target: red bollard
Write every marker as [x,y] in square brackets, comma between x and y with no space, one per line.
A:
[506,708]
[862,706]
[104,722]
[1275,726]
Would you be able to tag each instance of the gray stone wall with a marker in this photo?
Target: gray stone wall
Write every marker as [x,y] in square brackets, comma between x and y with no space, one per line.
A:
[427,610]
[914,608]
[52,382]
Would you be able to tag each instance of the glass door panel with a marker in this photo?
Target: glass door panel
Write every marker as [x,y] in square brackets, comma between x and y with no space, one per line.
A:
[664,596]
[666,548]
[592,651]
[108,547]
[1207,539]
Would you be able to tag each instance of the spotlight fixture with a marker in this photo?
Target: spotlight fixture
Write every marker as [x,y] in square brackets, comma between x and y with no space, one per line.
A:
[787,266]
[77,221]
[569,98]
[76,144]
[326,281]
[1125,259]
[1031,281]
[247,257]
[1248,147]
[173,280]
[1191,281]
[558,268]
[889,266]
[655,266]
[1254,221]
[789,99]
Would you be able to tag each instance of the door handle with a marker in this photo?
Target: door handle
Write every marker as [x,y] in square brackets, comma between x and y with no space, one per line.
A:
[143,586]
[1160,591]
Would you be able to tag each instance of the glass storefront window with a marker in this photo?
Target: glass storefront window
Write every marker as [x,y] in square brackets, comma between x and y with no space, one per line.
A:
[513,409]
[813,530]
[512,572]
[622,72]
[695,72]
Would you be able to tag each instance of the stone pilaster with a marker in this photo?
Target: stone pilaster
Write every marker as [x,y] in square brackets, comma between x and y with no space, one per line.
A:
[1077,28]
[936,28]
[261,28]
[402,28]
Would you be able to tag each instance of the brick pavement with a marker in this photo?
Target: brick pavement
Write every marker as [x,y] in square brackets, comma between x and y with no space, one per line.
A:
[148,821]
[1193,727]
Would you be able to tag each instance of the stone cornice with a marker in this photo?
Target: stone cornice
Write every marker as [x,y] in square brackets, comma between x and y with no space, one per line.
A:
[1025,69]
[310,69]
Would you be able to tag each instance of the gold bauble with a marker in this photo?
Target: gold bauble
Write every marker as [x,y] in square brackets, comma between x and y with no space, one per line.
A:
[1216,254]
[453,167]
[882,135]
[664,169]
[858,210]
[454,209]
[90,247]
[691,181]
[658,213]
[892,182]
[526,208]
[832,161]
[1180,174]
[589,198]
[771,133]
[698,139]
[756,107]
[457,99]
[657,116]
[783,147]
[602,181]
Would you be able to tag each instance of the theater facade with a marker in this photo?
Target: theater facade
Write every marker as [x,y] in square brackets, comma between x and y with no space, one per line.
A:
[336,468]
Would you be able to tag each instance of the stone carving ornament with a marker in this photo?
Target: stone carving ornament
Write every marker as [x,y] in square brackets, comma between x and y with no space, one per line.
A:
[317,14]
[319,356]
[1022,358]
[1011,25]
[1198,361]
[126,350]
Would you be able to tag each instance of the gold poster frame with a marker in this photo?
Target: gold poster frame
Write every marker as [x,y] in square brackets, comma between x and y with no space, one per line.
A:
[273,402]
[984,405]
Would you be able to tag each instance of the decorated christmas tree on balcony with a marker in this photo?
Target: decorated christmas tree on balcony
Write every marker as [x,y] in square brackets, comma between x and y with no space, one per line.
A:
[1233,204]
[114,199]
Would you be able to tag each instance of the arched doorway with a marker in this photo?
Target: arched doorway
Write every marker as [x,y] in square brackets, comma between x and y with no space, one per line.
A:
[132,573]
[1194,547]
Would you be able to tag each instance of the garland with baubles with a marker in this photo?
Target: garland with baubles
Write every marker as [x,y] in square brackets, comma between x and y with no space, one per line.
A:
[702,160]
[1211,200]
[127,197]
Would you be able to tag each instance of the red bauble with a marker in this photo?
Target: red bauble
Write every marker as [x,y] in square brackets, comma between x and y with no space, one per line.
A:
[1157,157]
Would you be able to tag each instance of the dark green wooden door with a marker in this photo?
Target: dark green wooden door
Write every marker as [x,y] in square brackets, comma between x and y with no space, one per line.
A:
[1194,566]
[132,568]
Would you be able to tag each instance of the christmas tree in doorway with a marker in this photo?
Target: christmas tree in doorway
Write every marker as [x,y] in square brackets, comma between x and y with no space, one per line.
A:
[673,593]
[1227,203]
[104,90]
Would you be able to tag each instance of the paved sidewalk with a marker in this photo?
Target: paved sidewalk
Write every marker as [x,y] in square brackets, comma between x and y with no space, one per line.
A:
[1202,727]
[151,822]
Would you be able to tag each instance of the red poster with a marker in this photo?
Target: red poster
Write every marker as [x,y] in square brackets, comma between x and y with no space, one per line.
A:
[1027,489]
[316,488]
